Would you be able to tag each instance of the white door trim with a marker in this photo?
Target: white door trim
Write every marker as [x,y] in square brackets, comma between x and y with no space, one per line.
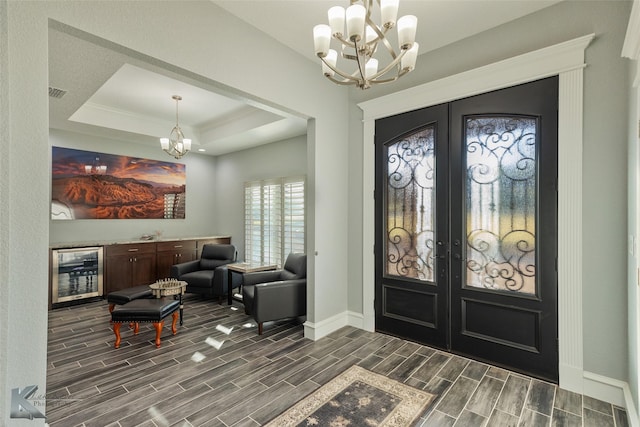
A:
[565,60]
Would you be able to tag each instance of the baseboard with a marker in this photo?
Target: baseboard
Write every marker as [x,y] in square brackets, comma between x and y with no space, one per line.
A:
[317,330]
[355,319]
[630,406]
[614,391]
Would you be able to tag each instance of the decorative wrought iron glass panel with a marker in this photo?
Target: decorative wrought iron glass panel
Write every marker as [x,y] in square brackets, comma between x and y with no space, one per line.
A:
[410,199]
[501,203]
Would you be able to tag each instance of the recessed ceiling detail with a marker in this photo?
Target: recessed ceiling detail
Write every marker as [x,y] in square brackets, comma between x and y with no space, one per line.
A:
[134,100]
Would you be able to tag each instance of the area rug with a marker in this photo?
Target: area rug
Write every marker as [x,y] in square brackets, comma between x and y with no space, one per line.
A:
[355,398]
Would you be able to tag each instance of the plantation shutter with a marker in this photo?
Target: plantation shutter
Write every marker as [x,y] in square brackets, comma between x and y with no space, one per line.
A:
[274,220]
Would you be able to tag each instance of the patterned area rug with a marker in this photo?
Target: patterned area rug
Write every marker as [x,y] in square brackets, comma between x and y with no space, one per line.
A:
[358,397]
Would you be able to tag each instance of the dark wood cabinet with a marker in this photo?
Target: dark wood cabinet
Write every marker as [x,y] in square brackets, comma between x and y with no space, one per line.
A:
[128,265]
[133,264]
[174,252]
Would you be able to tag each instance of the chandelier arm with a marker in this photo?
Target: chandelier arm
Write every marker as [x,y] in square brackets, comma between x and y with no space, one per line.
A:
[342,40]
[389,66]
[381,34]
[360,69]
[337,71]
[393,79]
[342,82]
[390,49]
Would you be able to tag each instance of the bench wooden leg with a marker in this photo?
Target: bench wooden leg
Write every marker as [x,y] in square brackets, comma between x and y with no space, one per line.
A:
[116,330]
[174,329]
[136,327]
[158,325]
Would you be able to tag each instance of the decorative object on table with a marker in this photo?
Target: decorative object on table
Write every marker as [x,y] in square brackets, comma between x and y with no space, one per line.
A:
[169,287]
[358,397]
[119,187]
[363,41]
[278,294]
[176,145]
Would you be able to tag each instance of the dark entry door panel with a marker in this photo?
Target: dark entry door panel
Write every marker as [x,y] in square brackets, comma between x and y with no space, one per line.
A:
[466,227]
[411,193]
[504,227]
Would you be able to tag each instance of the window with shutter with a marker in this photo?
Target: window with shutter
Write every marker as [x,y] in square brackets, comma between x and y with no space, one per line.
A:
[274,219]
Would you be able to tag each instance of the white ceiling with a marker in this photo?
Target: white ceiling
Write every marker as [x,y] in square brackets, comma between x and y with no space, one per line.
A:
[114,95]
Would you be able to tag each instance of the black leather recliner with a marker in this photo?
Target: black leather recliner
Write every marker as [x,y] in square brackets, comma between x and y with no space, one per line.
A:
[208,275]
[279,294]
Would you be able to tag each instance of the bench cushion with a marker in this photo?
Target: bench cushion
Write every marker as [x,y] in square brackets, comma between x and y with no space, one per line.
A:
[145,310]
[129,294]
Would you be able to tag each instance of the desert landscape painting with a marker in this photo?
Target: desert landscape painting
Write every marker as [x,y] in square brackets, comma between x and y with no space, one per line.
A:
[90,185]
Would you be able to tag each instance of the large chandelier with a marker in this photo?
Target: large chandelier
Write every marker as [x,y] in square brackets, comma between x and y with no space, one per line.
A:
[176,145]
[363,37]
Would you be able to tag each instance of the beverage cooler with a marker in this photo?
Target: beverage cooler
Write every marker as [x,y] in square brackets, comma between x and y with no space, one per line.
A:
[76,273]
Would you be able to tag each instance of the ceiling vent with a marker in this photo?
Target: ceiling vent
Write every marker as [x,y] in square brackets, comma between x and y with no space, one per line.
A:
[54,92]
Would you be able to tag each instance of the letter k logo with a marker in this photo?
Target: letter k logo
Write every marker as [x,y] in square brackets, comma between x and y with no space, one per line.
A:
[21,407]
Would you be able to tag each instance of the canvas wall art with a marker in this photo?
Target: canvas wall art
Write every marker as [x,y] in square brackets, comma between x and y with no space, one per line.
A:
[90,185]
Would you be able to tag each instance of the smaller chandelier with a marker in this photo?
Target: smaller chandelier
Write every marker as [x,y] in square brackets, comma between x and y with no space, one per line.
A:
[96,168]
[363,37]
[176,145]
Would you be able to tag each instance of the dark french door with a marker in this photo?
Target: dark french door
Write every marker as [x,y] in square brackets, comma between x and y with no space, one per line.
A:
[466,227]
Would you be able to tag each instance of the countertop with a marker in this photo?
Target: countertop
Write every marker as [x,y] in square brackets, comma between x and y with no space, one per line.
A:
[83,244]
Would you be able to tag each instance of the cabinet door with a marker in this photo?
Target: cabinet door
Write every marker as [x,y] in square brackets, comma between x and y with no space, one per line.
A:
[119,271]
[174,252]
[144,269]
[129,264]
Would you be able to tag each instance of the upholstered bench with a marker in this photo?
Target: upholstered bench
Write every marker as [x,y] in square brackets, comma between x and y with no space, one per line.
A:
[127,295]
[145,310]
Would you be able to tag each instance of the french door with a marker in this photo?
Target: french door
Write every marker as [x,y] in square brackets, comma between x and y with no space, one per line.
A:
[466,227]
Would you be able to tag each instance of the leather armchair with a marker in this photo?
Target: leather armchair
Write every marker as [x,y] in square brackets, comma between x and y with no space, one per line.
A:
[208,275]
[278,294]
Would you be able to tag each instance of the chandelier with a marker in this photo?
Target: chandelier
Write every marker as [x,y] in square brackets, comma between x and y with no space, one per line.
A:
[96,168]
[176,145]
[363,38]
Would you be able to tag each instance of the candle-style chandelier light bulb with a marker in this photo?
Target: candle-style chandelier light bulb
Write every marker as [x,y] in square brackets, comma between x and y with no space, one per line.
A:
[176,145]
[360,42]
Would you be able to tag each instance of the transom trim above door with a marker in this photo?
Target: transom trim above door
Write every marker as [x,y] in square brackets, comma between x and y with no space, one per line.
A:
[565,60]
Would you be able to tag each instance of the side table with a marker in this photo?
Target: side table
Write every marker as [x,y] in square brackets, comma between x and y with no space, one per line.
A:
[244,267]
[168,287]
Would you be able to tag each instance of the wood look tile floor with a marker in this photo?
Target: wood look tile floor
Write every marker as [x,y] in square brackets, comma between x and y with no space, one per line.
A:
[249,379]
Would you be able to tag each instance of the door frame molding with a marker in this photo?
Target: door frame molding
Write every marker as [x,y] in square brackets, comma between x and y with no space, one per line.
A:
[565,60]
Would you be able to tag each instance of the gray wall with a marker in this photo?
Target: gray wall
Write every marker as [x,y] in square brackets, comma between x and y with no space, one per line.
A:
[633,272]
[200,204]
[604,158]
[278,159]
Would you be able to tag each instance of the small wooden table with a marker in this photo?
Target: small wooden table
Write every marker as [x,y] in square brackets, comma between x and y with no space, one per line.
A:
[168,287]
[244,267]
